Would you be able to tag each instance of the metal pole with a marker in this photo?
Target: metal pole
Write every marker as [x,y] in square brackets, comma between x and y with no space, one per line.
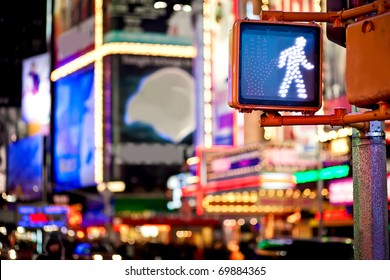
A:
[371,241]
[107,195]
[320,187]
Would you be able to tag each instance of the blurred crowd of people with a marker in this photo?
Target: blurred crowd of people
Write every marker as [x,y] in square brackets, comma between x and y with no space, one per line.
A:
[56,248]
[59,247]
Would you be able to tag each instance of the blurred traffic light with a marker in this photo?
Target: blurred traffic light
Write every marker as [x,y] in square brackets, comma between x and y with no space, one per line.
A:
[275,66]
[337,34]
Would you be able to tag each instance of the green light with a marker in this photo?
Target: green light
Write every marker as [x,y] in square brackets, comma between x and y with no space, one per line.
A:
[273,243]
[326,173]
[341,171]
[306,176]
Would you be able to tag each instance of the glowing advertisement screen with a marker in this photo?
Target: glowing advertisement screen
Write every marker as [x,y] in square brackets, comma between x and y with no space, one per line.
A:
[73,137]
[25,168]
[73,29]
[36,99]
[157,100]
[153,117]
[279,65]
[223,115]
[149,21]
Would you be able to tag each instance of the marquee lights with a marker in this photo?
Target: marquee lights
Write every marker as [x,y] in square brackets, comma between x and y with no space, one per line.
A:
[276,180]
[98,23]
[193,160]
[74,65]
[98,96]
[334,134]
[207,62]
[252,202]
[122,48]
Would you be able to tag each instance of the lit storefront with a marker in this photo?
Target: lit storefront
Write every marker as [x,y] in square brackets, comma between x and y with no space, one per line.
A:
[34,221]
[135,222]
[255,186]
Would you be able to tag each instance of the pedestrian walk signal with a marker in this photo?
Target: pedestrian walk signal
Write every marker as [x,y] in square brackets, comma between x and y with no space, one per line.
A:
[275,66]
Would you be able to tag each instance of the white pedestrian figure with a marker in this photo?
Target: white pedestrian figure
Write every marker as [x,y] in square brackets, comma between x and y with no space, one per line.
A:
[294,57]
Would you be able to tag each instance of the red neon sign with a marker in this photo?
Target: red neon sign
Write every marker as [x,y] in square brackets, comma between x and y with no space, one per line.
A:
[334,215]
[38,218]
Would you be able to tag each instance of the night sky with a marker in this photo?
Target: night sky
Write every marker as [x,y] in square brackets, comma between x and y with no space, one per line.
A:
[23,34]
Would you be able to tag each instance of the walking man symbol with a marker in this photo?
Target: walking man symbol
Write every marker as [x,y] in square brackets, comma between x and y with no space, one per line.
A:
[293,59]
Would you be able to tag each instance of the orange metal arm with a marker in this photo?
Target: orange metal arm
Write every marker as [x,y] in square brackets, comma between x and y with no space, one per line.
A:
[340,117]
[378,6]
[299,16]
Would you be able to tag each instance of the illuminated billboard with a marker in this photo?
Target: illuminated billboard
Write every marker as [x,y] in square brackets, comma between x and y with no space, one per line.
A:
[73,130]
[155,108]
[157,98]
[223,115]
[149,21]
[153,117]
[73,29]
[25,168]
[36,98]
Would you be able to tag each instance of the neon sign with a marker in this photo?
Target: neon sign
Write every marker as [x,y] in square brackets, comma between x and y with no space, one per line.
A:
[327,173]
[234,162]
[39,216]
[341,191]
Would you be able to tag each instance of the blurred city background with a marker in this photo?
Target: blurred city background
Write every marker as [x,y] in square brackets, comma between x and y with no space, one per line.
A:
[117,139]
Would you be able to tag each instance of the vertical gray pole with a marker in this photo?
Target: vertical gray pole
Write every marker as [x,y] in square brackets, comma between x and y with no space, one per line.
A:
[108,212]
[371,241]
[320,187]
